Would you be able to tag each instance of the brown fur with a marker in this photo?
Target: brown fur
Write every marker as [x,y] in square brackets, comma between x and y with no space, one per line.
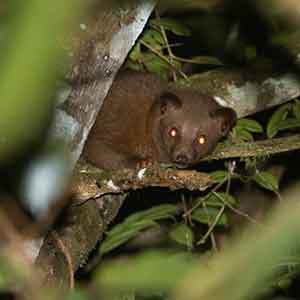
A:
[134,123]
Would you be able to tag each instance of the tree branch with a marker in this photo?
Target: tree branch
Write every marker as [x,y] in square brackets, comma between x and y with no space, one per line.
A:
[99,51]
[91,182]
[249,89]
[258,148]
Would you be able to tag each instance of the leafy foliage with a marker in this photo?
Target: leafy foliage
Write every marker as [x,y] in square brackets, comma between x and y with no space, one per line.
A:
[150,271]
[171,24]
[267,181]
[285,117]
[183,235]
[219,175]
[245,128]
[153,52]
[135,223]
[209,215]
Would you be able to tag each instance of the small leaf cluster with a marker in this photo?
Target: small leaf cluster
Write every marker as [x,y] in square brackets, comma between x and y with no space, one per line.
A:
[287,116]
[206,210]
[134,224]
[153,52]
[245,128]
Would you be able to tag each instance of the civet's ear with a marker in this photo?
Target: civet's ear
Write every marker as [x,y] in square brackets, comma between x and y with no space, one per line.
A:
[226,118]
[168,101]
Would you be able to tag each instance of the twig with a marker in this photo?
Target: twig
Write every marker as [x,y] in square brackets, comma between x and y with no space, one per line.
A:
[212,225]
[235,210]
[163,32]
[193,61]
[204,198]
[164,58]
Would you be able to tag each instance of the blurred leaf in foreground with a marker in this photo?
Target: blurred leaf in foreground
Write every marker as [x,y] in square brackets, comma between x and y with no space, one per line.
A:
[135,223]
[150,271]
[28,68]
[246,268]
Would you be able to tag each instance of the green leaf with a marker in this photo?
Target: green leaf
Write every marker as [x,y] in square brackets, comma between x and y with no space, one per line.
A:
[250,52]
[151,271]
[127,296]
[218,199]
[278,116]
[208,215]
[13,271]
[153,38]
[206,60]
[182,234]
[219,176]
[172,25]
[155,213]
[27,42]
[280,38]
[135,223]
[136,66]
[135,53]
[77,294]
[250,125]
[125,233]
[296,109]
[242,134]
[288,123]
[155,64]
[267,181]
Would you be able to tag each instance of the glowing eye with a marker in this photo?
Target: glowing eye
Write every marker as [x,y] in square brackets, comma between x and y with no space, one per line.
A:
[201,139]
[173,132]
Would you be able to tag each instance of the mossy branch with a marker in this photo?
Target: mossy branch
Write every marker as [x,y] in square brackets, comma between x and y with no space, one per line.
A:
[90,182]
[257,148]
